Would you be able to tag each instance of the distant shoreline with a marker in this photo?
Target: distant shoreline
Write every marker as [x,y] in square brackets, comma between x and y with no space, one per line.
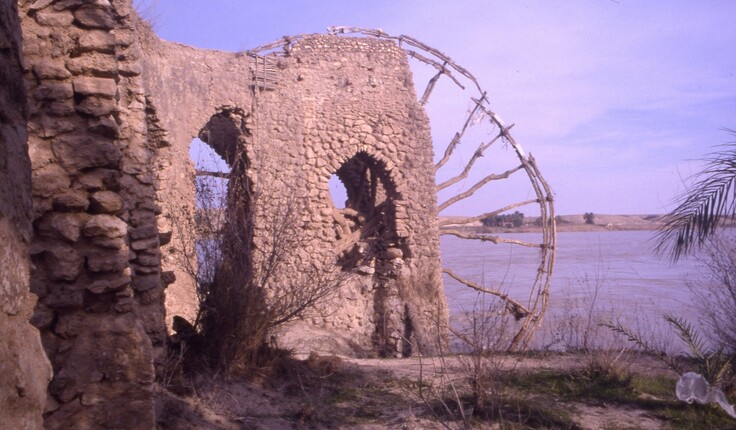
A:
[569,223]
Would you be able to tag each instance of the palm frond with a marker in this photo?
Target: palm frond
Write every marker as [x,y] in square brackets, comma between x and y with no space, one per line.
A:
[703,207]
[687,333]
[642,343]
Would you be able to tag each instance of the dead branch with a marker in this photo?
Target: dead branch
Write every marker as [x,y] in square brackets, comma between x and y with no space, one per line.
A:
[341,29]
[517,309]
[434,64]
[476,155]
[456,139]
[468,220]
[488,238]
[476,187]
[222,175]
[445,59]
[430,87]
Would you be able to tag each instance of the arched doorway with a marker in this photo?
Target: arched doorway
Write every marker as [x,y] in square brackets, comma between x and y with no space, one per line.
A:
[367,220]
[368,243]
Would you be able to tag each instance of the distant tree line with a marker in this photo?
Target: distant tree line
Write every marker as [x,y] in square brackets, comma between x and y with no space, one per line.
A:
[515,219]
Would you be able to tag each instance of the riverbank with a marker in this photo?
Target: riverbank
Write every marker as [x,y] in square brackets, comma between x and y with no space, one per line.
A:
[566,223]
[575,391]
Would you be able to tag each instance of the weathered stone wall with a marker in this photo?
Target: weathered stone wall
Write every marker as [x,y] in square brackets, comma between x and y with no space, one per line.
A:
[95,254]
[331,106]
[185,87]
[344,106]
[111,111]
[24,368]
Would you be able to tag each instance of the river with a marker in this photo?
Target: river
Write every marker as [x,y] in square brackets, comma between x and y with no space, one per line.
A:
[614,271]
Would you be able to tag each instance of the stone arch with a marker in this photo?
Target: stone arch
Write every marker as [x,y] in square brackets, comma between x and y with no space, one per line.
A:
[225,132]
[180,190]
[367,224]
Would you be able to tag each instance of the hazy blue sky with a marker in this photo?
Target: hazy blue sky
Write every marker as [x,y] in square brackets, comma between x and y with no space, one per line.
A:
[613,98]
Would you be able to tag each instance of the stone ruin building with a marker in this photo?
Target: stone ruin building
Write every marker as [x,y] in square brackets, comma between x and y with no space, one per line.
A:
[96,119]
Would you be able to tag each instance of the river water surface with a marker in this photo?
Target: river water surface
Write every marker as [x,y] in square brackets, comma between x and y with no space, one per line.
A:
[615,270]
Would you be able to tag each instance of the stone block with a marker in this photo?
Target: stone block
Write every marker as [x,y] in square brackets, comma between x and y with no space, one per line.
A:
[97,40]
[168,278]
[141,217]
[81,152]
[108,284]
[50,70]
[67,4]
[146,282]
[100,179]
[93,63]
[60,107]
[55,91]
[93,16]
[63,263]
[63,296]
[49,126]
[130,69]
[40,4]
[50,180]
[92,86]
[54,18]
[65,386]
[107,226]
[106,202]
[71,201]
[105,127]
[143,232]
[392,253]
[69,325]
[41,154]
[60,225]
[146,270]
[142,244]
[43,316]
[164,238]
[96,106]
[107,261]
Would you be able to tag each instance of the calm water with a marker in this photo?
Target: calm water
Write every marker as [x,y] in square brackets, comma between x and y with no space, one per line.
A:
[614,269]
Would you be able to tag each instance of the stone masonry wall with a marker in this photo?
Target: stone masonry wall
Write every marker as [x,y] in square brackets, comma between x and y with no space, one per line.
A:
[95,254]
[111,111]
[342,105]
[24,368]
[185,87]
[329,101]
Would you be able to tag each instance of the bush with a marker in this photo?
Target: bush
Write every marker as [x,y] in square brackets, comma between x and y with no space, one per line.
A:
[513,220]
[246,291]
[716,290]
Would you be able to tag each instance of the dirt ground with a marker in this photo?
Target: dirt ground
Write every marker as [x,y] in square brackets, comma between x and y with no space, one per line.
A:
[347,393]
